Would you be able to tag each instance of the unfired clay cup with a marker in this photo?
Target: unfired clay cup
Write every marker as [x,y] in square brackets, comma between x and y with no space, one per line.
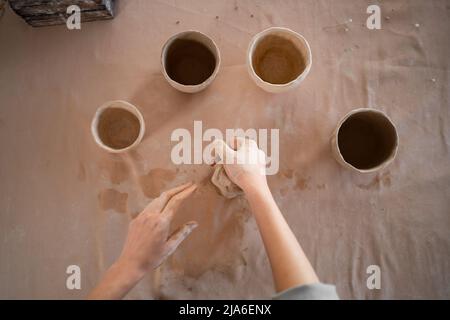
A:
[299,42]
[203,39]
[365,118]
[122,105]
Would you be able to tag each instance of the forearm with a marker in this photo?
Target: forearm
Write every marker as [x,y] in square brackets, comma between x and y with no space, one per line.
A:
[118,280]
[290,266]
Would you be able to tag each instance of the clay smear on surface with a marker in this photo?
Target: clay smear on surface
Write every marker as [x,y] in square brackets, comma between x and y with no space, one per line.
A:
[118,128]
[156,181]
[189,62]
[366,140]
[114,200]
[277,60]
[216,243]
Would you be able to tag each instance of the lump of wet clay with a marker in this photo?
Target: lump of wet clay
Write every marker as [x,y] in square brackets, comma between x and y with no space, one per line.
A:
[226,187]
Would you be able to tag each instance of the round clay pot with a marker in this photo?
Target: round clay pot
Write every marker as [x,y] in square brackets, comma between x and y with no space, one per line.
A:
[278,59]
[365,140]
[189,58]
[107,107]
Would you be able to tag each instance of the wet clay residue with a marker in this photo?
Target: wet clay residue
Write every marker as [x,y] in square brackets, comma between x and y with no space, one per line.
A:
[113,199]
[156,181]
[321,186]
[277,60]
[219,234]
[301,182]
[118,128]
[189,62]
[379,180]
[366,140]
[287,173]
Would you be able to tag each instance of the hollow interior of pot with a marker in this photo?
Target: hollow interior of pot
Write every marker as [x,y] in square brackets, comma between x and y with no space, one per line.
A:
[118,128]
[279,57]
[367,139]
[190,59]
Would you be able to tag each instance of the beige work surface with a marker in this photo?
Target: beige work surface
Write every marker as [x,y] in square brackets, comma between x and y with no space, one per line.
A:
[64,201]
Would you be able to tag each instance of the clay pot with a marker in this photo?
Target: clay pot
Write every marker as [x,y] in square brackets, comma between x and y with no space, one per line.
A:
[190,50]
[365,140]
[278,59]
[118,104]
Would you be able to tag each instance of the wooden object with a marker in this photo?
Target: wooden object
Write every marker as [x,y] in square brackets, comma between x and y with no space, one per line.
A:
[41,13]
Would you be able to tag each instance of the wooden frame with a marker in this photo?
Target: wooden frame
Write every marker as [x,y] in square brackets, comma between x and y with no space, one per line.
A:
[40,13]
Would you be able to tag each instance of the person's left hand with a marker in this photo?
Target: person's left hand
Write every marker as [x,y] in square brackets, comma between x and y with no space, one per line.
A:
[148,241]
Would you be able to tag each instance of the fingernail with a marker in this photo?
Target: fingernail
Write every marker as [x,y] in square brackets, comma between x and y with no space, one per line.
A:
[192,225]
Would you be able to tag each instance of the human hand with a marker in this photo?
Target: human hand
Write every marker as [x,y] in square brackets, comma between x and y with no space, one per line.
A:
[148,241]
[245,165]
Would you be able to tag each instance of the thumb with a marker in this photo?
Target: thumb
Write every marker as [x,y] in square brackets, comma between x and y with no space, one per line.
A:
[179,235]
[224,152]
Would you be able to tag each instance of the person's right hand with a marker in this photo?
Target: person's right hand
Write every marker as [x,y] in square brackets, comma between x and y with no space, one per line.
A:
[245,164]
[148,242]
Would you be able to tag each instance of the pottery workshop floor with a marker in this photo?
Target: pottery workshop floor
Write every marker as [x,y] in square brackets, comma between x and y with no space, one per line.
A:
[64,201]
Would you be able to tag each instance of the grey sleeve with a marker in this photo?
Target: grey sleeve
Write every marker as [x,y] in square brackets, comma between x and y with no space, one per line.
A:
[316,291]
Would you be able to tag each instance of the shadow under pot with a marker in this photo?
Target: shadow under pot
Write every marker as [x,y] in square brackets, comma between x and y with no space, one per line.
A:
[365,140]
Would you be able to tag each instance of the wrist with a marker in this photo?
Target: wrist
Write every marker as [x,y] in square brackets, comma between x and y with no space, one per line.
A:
[129,271]
[255,188]
[118,280]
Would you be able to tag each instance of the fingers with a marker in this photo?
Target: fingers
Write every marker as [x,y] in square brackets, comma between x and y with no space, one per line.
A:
[224,152]
[239,142]
[176,200]
[179,235]
[159,203]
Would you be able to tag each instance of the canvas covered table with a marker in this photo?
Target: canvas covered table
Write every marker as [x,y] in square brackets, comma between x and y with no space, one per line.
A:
[64,201]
